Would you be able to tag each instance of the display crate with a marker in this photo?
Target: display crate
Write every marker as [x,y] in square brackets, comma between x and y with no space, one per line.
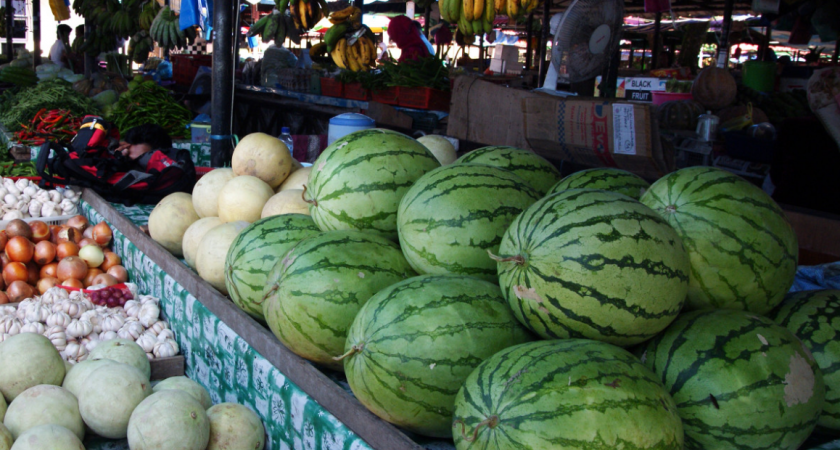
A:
[387,96]
[331,88]
[355,91]
[424,98]
[185,67]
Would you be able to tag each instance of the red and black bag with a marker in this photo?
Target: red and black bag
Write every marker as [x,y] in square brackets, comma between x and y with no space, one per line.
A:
[91,162]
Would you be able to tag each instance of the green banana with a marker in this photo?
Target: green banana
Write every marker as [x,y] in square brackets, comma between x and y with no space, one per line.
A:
[335,33]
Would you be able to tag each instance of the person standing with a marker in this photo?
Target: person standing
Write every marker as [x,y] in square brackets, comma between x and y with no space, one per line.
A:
[59,52]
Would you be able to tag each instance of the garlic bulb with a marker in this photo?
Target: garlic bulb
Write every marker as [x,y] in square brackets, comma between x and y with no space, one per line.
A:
[158,327]
[74,309]
[149,356]
[147,342]
[130,331]
[38,312]
[60,319]
[165,334]
[33,327]
[7,310]
[165,349]
[148,299]
[42,196]
[78,328]
[10,199]
[112,322]
[91,344]
[67,207]
[53,330]
[12,215]
[108,335]
[148,314]
[10,325]
[35,208]
[55,197]
[58,338]
[132,308]
[22,184]
[30,190]
[3,192]
[74,351]
[50,209]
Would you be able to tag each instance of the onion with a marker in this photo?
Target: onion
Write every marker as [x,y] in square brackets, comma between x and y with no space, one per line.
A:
[73,283]
[111,260]
[71,267]
[44,284]
[92,255]
[44,253]
[54,230]
[92,273]
[104,278]
[78,222]
[3,298]
[19,291]
[15,271]
[40,231]
[33,272]
[102,233]
[4,259]
[50,270]
[69,234]
[118,272]
[18,227]
[87,241]
[88,233]
[65,249]
[20,249]
[3,239]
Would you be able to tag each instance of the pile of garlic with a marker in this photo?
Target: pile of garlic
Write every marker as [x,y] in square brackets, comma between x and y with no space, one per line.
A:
[76,326]
[23,199]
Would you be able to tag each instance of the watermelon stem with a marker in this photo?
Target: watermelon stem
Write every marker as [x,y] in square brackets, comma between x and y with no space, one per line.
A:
[353,350]
[518,259]
[303,196]
[491,422]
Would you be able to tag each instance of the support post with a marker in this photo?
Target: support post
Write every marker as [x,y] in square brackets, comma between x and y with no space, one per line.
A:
[768,34]
[530,36]
[427,21]
[36,31]
[723,50]
[546,30]
[630,58]
[10,27]
[222,103]
[644,55]
[657,44]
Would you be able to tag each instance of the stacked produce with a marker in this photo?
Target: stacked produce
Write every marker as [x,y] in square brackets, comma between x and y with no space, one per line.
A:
[48,94]
[349,43]
[140,45]
[54,125]
[166,31]
[19,76]
[110,395]
[147,102]
[24,199]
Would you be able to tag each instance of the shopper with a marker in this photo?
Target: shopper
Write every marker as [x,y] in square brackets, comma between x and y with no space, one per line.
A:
[407,38]
[59,52]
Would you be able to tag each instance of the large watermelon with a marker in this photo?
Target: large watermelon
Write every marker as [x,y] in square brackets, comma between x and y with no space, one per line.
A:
[740,381]
[453,215]
[413,344]
[570,394]
[324,281]
[358,181]
[814,317]
[593,264]
[743,251]
[254,253]
[531,167]
[608,179]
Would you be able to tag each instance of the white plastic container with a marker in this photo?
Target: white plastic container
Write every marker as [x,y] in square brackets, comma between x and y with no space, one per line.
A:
[344,124]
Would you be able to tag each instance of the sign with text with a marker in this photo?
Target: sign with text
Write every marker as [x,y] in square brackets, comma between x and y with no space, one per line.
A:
[640,89]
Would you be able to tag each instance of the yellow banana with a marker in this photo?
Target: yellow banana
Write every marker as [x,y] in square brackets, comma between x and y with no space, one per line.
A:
[302,13]
[478,9]
[366,48]
[501,6]
[444,13]
[348,56]
[513,8]
[338,55]
[343,14]
[468,9]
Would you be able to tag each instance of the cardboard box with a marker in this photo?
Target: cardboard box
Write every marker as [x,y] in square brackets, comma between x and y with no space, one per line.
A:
[507,53]
[598,133]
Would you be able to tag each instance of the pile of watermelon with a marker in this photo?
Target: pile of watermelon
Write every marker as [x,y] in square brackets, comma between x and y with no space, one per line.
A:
[491,302]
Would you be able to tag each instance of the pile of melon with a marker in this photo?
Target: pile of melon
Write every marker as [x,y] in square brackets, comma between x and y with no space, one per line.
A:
[47,405]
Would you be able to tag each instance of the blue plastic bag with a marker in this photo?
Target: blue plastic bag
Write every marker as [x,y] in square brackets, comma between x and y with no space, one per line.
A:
[824,276]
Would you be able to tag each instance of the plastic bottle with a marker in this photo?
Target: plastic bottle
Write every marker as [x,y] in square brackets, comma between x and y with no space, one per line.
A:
[286,138]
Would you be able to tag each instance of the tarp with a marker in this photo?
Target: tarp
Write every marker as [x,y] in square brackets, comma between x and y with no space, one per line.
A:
[809,278]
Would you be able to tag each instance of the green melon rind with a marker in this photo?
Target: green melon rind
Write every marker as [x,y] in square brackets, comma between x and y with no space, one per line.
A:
[570,393]
[454,215]
[358,181]
[324,281]
[254,253]
[595,265]
[740,381]
[531,167]
[417,342]
[814,317]
[607,179]
[743,250]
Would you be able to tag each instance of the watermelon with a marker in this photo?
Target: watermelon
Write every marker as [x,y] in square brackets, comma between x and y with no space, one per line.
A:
[814,317]
[453,215]
[571,394]
[740,381]
[743,251]
[608,179]
[531,167]
[254,253]
[358,181]
[323,282]
[593,264]
[413,344]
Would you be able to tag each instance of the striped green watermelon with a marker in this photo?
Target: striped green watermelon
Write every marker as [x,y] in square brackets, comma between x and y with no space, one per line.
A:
[453,215]
[254,253]
[743,251]
[413,344]
[358,181]
[740,381]
[570,394]
[531,167]
[814,317]
[593,264]
[324,281]
[608,179]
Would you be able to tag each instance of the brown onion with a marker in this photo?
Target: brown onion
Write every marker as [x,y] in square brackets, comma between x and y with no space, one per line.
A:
[20,249]
[4,260]
[3,239]
[102,233]
[88,233]
[118,272]
[44,253]
[78,222]
[18,227]
[3,298]
[44,284]
[91,274]
[71,267]
[65,249]
[74,283]
[54,230]
[69,233]
[40,231]
[104,278]
[34,273]
[87,241]
[19,291]
[111,259]
[49,271]
[15,271]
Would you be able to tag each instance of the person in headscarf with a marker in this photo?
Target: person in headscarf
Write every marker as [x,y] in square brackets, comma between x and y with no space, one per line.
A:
[405,35]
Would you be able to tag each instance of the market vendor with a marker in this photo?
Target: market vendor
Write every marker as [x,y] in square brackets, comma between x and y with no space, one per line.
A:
[407,38]
[61,48]
[143,139]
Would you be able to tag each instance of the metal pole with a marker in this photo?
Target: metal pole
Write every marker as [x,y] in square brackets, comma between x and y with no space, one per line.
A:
[657,45]
[222,103]
[427,21]
[768,34]
[529,24]
[644,55]
[36,30]
[237,33]
[10,27]
[723,50]
[630,58]
[545,33]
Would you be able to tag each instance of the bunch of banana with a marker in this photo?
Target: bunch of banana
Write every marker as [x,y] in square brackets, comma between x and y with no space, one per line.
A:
[350,15]
[148,13]
[139,47]
[358,56]
[99,41]
[272,26]
[123,23]
[476,16]
[166,30]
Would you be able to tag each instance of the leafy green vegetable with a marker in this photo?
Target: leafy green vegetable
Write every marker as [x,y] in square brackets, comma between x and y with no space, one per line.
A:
[150,103]
[49,94]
